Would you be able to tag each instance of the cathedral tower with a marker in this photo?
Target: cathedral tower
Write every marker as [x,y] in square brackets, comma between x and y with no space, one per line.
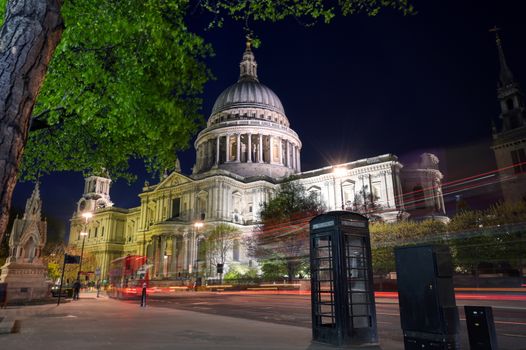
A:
[509,139]
[96,194]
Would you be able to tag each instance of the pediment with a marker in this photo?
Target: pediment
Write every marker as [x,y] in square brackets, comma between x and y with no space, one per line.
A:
[173,180]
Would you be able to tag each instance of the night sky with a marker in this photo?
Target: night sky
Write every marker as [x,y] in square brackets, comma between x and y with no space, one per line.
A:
[361,86]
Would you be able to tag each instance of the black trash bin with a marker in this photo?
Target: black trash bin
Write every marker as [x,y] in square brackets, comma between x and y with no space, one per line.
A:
[3,294]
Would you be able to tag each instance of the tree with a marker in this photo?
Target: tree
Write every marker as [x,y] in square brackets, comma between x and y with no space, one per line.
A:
[53,256]
[111,84]
[366,203]
[273,269]
[110,80]
[221,240]
[284,227]
[494,237]
[489,238]
[28,38]
[385,237]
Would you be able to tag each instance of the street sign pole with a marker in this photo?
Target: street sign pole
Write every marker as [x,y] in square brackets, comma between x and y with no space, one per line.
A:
[61,280]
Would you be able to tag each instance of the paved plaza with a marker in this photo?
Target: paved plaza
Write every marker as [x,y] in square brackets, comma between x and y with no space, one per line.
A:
[104,323]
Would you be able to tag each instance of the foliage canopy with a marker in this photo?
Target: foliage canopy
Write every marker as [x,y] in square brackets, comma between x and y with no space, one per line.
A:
[490,238]
[126,78]
[123,84]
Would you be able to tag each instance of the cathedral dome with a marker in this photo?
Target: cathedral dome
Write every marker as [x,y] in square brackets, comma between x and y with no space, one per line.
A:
[248,133]
[248,93]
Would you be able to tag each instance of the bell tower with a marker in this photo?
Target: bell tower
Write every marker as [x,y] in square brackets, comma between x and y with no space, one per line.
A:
[96,194]
[509,139]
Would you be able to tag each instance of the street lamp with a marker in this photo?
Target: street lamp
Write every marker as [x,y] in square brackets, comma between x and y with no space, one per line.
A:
[340,172]
[87,215]
[197,226]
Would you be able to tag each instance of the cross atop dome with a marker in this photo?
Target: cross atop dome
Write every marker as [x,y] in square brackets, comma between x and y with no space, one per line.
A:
[248,66]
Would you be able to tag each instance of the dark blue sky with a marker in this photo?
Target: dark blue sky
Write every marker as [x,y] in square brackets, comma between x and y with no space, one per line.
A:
[363,86]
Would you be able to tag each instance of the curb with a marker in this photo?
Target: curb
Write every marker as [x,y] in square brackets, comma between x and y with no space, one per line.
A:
[7,326]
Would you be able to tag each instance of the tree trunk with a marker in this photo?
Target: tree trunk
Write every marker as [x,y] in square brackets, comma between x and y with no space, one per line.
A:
[28,38]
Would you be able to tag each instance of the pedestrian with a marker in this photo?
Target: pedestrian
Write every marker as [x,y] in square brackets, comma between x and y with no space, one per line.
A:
[76,289]
[143,295]
[98,287]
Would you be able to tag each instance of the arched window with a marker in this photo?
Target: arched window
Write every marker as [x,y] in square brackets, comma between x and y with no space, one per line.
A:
[236,202]
[509,104]
[201,202]
[348,188]
[201,249]
[235,250]
[275,151]
[30,249]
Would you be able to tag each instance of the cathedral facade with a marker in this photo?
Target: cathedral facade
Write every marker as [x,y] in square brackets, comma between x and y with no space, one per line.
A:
[246,150]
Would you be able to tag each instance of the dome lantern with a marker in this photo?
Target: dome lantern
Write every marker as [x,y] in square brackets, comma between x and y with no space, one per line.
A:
[248,66]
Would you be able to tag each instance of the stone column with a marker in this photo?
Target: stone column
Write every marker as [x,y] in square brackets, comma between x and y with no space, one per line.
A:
[226,212]
[217,150]
[185,247]
[289,156]
[197,158]
[298,160]
[386,189]
[208,153]
[280,150]
[227,151]
[162,253]
[260,150]
[147,252]
[293,152]
[154,255]
[192,249]
[173,267]
[238,147]
[219,197]
[271,144]
[249,146]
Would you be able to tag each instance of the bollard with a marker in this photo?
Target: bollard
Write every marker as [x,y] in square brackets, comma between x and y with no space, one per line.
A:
[98,288]
[481,328]
[143,295]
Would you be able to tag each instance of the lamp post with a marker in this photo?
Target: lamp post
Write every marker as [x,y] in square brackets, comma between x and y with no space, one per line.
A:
[197,226]
[340,172]
[165,264]
[87,215]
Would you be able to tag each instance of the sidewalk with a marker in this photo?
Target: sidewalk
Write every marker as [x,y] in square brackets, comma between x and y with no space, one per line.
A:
[105,323]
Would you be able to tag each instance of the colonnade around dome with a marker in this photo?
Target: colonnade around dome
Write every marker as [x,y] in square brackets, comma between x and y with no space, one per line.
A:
[239,147]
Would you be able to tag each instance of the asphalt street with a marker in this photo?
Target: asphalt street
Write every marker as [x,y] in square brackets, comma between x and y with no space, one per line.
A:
[509,316]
